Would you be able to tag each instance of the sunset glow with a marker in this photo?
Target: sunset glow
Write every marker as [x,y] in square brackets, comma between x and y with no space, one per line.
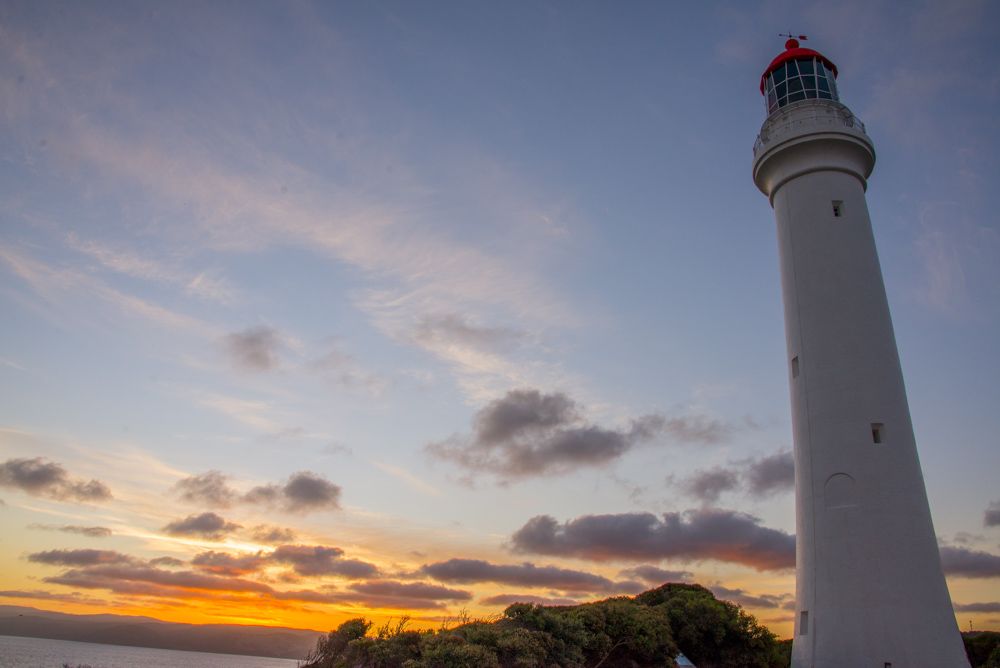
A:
[313,311]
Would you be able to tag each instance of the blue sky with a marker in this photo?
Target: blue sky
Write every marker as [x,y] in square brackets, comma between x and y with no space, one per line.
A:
[346,239]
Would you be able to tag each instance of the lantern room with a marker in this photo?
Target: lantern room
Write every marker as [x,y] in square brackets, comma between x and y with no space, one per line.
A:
[798,74]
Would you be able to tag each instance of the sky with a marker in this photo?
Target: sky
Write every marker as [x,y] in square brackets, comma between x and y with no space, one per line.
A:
[322,310]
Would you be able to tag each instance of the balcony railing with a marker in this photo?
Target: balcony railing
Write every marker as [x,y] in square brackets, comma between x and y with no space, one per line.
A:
[796,116]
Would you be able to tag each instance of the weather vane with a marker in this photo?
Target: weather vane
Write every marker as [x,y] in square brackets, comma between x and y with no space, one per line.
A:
[791,36]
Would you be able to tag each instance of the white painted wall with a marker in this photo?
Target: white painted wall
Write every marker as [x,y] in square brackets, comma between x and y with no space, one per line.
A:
[868,570]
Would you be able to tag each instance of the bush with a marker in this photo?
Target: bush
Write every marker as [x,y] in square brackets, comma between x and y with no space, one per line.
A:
[983,648]
[647,630]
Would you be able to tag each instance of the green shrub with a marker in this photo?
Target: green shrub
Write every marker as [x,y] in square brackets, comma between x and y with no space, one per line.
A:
[647,630]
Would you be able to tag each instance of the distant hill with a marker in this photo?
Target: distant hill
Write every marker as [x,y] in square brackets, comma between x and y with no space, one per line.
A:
[267,641]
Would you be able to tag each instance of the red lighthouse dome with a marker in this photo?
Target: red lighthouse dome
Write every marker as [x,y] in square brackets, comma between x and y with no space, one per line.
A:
[798,74]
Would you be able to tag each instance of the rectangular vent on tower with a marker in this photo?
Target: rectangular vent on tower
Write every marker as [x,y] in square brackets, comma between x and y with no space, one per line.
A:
[838,208]
[795,367]
[878,432]
[804,623]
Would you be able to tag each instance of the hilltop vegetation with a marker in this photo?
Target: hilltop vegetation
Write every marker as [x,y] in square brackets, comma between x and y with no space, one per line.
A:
[983,648]
[623,632]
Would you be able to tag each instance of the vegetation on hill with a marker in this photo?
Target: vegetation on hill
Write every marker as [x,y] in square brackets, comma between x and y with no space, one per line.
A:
[983,648]
[623,632]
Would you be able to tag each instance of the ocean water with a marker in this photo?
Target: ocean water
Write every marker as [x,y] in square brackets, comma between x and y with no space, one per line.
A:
[17,652]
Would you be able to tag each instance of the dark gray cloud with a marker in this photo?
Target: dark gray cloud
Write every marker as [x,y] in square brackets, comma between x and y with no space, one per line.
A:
[523,412]
[40,595]
[206,525]
[147,580]
[91,532]
[166,561]
[708,485]
[696,535]
[758,477]
[654,575]
[219,574]
[79,557]
[410,590]
[445,330]
[966,538]
[963,562]
[992,606]
[303,492]
[321,560]
[41,477]
[747,600]
[209,489]
[528,433]
[254,349]
[991,517]
[333,596]
[772,474]
[223,563]
[511,599]
[525,575]
[272,535]
[305,560]
[307,491]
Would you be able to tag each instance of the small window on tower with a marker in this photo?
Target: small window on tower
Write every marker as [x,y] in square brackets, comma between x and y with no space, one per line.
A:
[888,664]
[795,367]
[804,623]
[878,432]
[838,208]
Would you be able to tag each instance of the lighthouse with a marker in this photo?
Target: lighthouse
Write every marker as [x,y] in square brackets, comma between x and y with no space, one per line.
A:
[869,587]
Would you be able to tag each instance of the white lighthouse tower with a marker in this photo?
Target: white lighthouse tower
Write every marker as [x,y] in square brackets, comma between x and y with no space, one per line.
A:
[869,588]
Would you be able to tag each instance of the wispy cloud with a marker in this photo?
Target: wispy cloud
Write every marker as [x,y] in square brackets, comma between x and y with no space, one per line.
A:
[11,364]
[57,284]
[408,478]
[200,284]
[253,413]
[343,370]
[91,532]
[410,273]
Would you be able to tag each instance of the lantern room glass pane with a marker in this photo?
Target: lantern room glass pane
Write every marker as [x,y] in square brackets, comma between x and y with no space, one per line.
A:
[798,80]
